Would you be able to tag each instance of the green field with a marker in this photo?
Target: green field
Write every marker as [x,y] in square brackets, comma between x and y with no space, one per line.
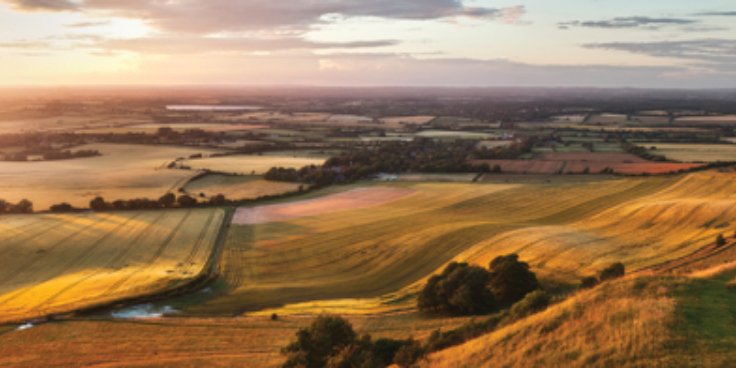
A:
[60,263]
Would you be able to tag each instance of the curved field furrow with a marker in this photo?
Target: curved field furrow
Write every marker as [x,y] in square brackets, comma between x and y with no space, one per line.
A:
[203,238]
[17,271]
[73,262]
[109,265]
[149,263]
[81,257]
[31,236]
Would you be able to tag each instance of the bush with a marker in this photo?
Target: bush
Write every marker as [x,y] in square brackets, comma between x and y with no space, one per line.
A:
[314,346]
[720,240]
[589,282]
[511,279]
[331,342]
[409,354]
[613,271]
[533,302]
[460,289]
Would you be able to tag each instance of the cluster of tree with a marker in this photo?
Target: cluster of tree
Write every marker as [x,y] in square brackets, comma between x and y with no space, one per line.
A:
[614,271]
[511,152]
[318,176]
[65,155]
[462,289]
[24,206]
[330,341]
[63,207]
[642,152]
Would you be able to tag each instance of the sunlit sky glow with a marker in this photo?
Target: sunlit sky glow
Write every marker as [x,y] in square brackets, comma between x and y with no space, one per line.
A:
[604,43]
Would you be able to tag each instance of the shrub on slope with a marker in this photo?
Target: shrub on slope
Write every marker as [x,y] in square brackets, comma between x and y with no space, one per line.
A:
[627,322]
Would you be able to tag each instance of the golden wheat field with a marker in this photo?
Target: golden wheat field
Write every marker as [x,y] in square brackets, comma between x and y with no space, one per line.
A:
[122,172]
[59,263]
[693,152]
[251,164]
[238,187]
[375,259]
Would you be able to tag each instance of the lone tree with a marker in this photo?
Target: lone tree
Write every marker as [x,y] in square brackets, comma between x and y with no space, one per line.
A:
[460,289]
[720,240]
[613,271]
[511,279]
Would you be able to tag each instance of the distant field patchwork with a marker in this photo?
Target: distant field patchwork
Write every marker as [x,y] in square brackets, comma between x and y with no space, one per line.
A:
[59,263]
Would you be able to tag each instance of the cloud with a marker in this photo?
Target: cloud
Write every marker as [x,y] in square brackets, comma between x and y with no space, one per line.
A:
[216,16]
[184,45]
[86,24]
[386,69]
[170,45]
[716,14]
[713,51]
[42,5]
[629,22]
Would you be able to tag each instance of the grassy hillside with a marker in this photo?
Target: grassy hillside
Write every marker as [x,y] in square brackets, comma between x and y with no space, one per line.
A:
[653,321]
[624,323]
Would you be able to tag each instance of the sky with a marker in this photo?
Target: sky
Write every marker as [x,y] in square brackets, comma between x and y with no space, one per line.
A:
[462,43]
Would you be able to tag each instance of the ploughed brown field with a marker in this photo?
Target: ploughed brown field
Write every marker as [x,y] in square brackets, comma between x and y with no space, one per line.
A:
[595,162]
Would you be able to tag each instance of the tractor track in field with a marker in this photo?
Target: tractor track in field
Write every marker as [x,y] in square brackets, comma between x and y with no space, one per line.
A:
[188,262]
[50,249]
[108,266]
[76,260]
[155,256]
